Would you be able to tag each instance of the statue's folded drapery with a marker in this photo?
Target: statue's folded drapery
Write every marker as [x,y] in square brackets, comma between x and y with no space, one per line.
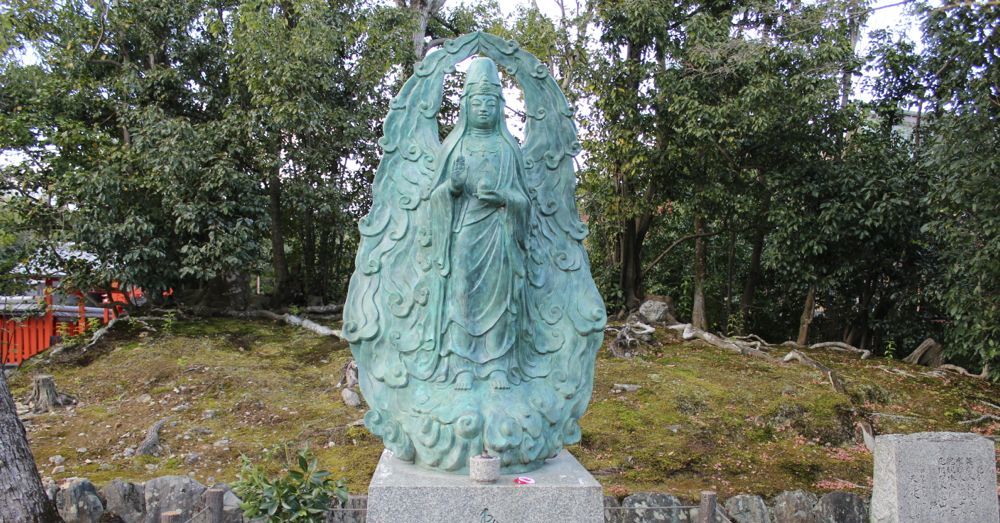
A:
[483,294]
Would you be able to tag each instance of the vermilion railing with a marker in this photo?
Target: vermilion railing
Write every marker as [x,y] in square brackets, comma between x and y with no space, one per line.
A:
[27,335]
[24,338]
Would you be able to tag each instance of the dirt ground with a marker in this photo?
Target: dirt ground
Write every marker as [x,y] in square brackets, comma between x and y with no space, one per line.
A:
[701,419]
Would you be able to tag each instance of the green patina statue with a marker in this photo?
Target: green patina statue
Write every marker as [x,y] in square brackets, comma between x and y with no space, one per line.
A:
[472,313]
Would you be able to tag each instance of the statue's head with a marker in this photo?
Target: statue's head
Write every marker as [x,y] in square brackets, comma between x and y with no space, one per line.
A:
[482,98]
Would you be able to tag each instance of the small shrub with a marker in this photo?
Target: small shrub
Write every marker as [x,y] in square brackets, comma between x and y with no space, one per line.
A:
[64,330]
[304,494]
[169,321]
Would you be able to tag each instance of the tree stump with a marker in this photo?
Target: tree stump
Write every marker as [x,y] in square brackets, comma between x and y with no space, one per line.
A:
[45,397]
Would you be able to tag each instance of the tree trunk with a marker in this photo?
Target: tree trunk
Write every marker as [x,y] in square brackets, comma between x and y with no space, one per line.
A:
[698,319]
[632,236]
[24,499]
[730,266]
[323,261]
[631,274]
[753,276]
[633,228]
[424,10]
[309,287]
[278,261]
[859,325]
[338,262]
[807,315]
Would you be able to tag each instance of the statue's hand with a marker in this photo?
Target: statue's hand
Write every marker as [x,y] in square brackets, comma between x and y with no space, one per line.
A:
[491,197]
[458,175]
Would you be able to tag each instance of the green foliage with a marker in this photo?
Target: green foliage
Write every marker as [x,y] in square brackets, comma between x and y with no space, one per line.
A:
[169,321]
[304,494]
[14,249]
[961,74]
[78,337]
[150,135]
[189,144]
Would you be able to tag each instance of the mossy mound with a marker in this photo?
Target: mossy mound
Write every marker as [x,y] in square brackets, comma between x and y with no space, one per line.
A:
[701,419]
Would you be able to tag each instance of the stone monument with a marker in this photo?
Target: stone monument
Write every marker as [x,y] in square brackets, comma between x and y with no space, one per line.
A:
[472,313]
[934,477]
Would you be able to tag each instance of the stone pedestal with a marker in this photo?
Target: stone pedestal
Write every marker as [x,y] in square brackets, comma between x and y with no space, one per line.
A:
[563,492]
[934,477]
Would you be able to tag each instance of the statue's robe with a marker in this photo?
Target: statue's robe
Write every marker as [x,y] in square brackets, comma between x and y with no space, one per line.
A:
[481,248]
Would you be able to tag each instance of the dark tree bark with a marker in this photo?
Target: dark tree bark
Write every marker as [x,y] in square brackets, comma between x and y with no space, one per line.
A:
[753,276]
[807,315]
[698,319]
[424,10]
[22,496]
[858,330]
[278,261]
[632,237]
[323,261]
[633,228]
[309,287]
[730,267]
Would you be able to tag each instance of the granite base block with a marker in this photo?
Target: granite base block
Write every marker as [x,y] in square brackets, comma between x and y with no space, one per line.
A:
[935,477]
[563,492]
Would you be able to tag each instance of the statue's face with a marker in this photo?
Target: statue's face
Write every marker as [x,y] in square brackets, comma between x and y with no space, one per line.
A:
[484,109]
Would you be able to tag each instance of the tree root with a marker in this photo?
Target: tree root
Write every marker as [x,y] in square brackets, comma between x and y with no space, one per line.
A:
[842,347]
[959,370]
[835,381]
[143,321]
[630,337]
[928,352]
[899,372]
[747,348]
[99,333]
[989,404]
[324,309]
[980,419]
[288,318]
[894,416]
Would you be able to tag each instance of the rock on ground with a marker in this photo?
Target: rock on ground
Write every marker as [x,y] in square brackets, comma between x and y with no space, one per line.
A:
[655,311]
[78,502]
[125,500]
[841,507]
[352,512]
[747,508]
[171,493]
[351,398]
[612,510]
[648,507]
[794,506]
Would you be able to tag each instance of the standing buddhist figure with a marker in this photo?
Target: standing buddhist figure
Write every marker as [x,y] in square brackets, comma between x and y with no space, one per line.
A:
[472,313]
[479,215]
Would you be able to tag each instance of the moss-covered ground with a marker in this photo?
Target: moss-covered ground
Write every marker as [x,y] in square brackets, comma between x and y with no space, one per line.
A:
[702,418]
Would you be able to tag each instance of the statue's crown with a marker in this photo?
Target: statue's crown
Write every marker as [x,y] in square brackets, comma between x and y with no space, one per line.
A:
[482,78]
